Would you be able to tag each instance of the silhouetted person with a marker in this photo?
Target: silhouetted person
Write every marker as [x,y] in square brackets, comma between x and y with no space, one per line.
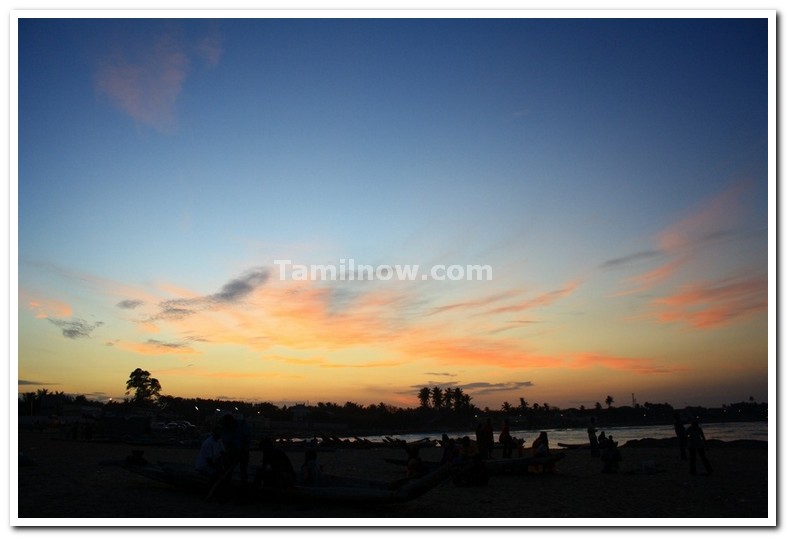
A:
[236,439]
[450,450]
[592,437]
[541,449]
[680,432]
[277,470]
[610,456]
[541,445]
[209,458]
[467,450]
[488,438]
[415,466]
[602,440]
[506,440]
[311,471]
[696,440]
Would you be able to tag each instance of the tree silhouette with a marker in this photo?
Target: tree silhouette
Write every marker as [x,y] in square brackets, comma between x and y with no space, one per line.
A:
[448,398]
[424,395]
[609,400]
[437,397]
[506,407]
[146,388]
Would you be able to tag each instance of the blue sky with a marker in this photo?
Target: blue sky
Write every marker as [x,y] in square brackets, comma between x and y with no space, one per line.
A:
[614,173]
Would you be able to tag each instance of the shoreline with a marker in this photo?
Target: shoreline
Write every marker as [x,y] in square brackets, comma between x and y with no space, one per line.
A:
[66,480]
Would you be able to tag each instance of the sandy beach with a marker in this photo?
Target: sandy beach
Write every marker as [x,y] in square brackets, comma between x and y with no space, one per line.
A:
[67,480]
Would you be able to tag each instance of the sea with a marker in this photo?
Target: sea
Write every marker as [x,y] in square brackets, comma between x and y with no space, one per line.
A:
[719,431]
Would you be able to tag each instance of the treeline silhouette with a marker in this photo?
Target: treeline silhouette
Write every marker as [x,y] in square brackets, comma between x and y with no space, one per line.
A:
[451,409]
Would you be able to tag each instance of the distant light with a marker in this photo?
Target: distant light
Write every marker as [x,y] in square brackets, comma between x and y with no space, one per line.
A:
[196,408]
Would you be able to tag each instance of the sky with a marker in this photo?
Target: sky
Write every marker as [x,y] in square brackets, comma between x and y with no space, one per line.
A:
[581,203]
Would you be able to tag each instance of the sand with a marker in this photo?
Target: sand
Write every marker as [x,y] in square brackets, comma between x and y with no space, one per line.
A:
[67,481]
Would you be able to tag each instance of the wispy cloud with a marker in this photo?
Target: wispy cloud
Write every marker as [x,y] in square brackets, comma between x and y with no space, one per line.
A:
[630,259]
[75,329]
[544,299]
[44,308]
[36,383]
[146,83]
[713,221]
[232,292]
[156,347]
[485,388]
[641,366]
[712,304]
[129,304]
[210,49]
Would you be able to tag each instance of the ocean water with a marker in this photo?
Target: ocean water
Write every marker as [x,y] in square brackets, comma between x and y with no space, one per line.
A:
[718,431]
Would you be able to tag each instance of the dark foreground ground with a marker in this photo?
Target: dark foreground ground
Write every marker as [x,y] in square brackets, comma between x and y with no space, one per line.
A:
[68,481]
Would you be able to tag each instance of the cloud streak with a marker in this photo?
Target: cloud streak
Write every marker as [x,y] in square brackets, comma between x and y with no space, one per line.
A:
[232,292]
[713,304]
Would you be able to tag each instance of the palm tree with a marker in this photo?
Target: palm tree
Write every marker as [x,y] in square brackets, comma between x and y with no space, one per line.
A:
[424,394]
[506,407]
[448,398]
[523,405]
[437,397]
[609,400]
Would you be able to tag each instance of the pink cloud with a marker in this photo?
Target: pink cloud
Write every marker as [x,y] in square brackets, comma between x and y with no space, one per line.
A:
[716,217]
[46,308]
[714,304]
[713,220]
[210,49]
[641,366]
[147,89]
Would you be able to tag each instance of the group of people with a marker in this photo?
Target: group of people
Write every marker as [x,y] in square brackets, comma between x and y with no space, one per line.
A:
[228,448]
[604,447]
[694,439]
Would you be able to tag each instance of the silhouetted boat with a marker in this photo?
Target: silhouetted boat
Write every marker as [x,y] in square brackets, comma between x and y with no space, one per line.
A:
[586,445]
[332,488]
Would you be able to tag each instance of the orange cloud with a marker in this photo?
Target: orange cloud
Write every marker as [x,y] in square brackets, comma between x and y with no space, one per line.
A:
[469,350]
[713,304]
[46,308]
[646,281]
[641,366]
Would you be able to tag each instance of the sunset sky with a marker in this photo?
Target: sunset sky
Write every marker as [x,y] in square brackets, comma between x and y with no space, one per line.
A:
[612,174]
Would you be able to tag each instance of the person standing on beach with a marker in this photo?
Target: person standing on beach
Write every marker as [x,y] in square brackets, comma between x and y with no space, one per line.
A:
[680,432]
[506,440]
[488,438]
[594,452]
[696,442]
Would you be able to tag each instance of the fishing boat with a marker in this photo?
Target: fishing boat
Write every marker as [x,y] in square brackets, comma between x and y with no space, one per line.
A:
[332,488]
